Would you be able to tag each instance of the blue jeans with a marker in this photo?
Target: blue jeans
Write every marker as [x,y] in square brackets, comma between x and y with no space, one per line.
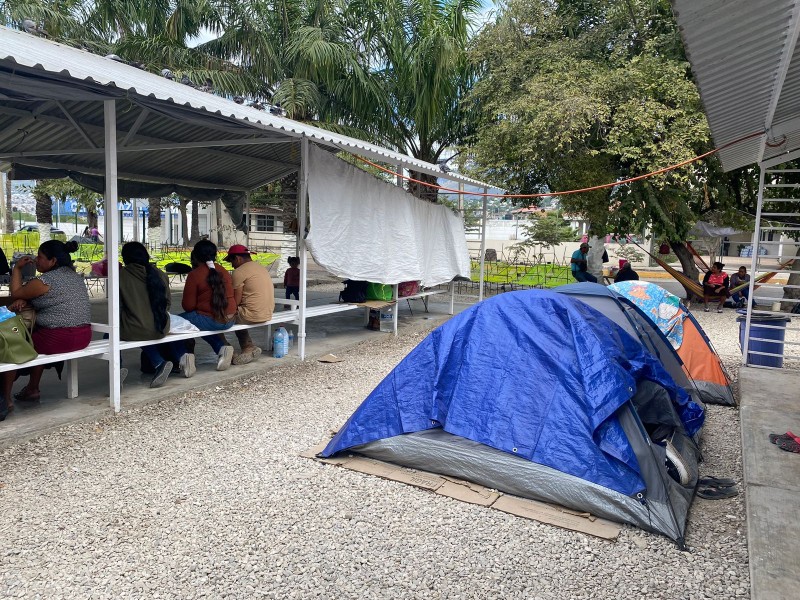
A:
[584,276]
[741,296]
[154,356]
[205,323]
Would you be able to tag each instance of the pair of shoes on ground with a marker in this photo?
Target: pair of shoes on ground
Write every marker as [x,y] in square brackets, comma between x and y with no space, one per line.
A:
[716,488]
[247,356]
[786,441]
[161,374]
[224,358]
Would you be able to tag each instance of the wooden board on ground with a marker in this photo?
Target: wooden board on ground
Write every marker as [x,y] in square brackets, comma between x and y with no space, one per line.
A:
[466,491]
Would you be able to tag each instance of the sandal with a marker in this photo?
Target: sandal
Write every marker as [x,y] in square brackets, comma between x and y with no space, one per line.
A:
[25,396]
[776,438]
[717,493]
[717,482]
[790,446]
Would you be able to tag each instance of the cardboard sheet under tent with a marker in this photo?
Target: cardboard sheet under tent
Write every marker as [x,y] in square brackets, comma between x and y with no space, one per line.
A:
[65,111]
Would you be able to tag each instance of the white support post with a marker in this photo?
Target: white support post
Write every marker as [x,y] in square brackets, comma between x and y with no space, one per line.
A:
[247,218]
[452,296]
[112,251]
[483,243]
[302,212]
[135,215]
[753,264]
[396,295]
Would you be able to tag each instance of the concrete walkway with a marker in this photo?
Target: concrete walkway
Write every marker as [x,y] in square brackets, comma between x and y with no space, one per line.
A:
[327,334]
[770,403]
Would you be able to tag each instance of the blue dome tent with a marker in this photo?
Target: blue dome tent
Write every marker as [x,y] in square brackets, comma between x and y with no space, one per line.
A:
[536,394]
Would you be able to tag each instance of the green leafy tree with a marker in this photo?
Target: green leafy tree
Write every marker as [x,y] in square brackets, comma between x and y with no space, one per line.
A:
[578,93]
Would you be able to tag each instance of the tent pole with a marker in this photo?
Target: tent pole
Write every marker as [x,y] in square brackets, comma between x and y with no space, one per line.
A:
[112,250]
[302,211]
[483,243]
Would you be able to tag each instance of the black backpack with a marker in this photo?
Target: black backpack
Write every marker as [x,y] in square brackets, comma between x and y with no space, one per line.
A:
[354,291]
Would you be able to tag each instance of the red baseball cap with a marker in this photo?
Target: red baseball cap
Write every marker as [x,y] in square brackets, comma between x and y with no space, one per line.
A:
[236,249]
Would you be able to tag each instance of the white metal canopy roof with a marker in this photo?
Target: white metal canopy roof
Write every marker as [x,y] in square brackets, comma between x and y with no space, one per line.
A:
[51,116]
[745,58]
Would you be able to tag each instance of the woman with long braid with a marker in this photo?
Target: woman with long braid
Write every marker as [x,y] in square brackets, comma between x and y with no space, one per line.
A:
[208,299]
[63,316]
[144,311]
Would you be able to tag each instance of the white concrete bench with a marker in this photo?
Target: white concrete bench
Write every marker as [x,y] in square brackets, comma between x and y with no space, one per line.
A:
[96,348]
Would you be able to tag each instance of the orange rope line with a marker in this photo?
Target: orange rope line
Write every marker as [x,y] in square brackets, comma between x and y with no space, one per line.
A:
[580,191]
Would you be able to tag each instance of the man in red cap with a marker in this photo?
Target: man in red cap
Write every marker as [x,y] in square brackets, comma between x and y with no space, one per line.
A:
[254,295]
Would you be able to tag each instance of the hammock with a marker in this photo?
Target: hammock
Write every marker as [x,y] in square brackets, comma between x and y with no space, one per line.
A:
[697,289]
[698,260]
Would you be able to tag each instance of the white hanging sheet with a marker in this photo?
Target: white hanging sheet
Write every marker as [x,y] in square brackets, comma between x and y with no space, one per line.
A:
[366,229]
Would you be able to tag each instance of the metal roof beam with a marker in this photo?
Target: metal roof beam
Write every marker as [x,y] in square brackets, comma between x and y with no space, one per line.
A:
[205,150]
[77,126]
[779,160]
[149,178]
[135,127]
[780,76]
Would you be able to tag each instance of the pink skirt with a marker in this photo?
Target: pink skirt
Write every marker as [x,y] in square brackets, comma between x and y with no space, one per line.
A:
[61,339]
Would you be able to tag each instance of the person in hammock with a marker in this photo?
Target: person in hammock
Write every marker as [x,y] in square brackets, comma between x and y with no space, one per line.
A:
[716,283]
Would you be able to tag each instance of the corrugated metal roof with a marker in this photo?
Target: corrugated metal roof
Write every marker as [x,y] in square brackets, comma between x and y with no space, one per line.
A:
[24,56]
[743,55]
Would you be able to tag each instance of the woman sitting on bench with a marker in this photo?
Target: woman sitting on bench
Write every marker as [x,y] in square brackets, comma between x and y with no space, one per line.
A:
[208,299]
[144,312]
[61,301]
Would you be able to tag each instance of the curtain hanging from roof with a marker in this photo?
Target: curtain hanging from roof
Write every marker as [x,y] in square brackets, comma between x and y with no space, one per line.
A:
[366,229]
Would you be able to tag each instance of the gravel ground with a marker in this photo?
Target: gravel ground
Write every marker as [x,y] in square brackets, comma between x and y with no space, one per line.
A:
[205,496]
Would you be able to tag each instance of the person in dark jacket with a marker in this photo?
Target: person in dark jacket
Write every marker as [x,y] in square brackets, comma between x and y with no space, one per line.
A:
[144,311]
[626,273]
[716,283]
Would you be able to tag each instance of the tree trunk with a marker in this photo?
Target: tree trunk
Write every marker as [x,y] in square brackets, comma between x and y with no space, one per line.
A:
[154,222]
[687,264]
[44,213]
[431,194]
[183,205]
[195,234]
[794,279]
[91,217]
[9,222]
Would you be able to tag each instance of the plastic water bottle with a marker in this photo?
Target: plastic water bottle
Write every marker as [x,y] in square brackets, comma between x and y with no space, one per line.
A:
[279,343]
[285,340]
[291,339]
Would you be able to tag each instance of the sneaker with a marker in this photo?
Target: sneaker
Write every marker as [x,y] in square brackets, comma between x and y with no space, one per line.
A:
[242,358]
[162,372]
[187,365]
[225,355]
[707,309]
[719,310]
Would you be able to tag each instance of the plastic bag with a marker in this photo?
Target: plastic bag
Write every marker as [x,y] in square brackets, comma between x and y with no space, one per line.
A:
[178,324]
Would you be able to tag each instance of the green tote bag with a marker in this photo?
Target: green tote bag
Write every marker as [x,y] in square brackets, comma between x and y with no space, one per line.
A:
[16,345]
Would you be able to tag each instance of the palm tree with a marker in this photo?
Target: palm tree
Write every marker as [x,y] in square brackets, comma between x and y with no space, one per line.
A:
[419,54]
